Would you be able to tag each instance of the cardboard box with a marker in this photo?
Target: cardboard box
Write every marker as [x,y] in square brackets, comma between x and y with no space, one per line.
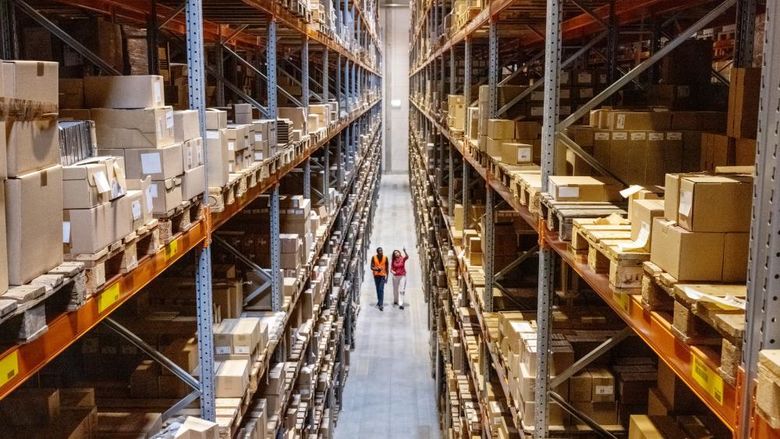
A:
[130,91]
[71,93]
[237,137]
[735,257]
[216,119]
[159,163]
[516,153]
[501,129]
[193,182]
[744,93]
[717,150]
[685,255]
[745,152]
[186,125]
[603,385]
[34,221]
[135,201]
[715,203]
[218,171]
[642,214]
[297,115]
[494,147]
[583,188]
[639,120]
[144,128]
[30,146]
[196,428]
[121,214]
[242,113]
[31,406]
[87,231]
[165,194]
[147,201]
[713,121]
[30,80]
[192,153]
[86,184]
[232,378]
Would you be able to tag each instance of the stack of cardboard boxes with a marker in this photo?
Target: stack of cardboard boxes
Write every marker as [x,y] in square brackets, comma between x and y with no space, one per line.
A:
[219,156]
[49,412]
[29,167]
[133,123]
[703,235]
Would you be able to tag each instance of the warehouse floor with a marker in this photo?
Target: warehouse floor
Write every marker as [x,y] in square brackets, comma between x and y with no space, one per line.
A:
[390,392]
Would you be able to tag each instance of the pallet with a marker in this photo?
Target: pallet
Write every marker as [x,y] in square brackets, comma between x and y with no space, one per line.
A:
[560,214]
[23,308]
[120,257]
[698,321]
[530,190]
[180,219]
[601,243]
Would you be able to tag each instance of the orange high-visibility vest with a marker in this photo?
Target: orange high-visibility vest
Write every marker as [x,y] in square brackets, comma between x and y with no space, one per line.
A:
[380,264]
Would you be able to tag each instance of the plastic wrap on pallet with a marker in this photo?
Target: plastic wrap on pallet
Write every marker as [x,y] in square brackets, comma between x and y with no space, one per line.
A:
[77,140]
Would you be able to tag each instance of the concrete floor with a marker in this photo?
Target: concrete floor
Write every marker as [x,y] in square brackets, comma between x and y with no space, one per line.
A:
[390,392]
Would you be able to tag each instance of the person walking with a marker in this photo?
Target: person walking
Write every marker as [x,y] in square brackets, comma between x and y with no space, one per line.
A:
[380,267]
[398,268]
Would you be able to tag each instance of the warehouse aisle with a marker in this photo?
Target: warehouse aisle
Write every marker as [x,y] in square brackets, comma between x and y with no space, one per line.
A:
[390,392]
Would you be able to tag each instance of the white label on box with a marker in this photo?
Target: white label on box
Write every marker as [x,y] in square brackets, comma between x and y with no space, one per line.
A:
[258,137]
[602,135]
[222,350]
[199,153]
[686,202]
[620,121]
[620,135]
[524,154]
[212,134]
[655,137]
[258,156]
[568,191]
[169,119]
[101,181]
[151,163]
[639,136]
[603,390]
[189,156]
[66,232]
[231,145]
[242,350]
[674,136]
[157,92]
[150,196]
[135,207]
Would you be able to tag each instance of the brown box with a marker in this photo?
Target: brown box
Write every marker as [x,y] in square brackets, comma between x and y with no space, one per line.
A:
[717,150]
[639,120]
[30,146]
[516,153]
[744,91]
[186,125]
[30,406]
[583,188]
[714,121]
[218,163]
[216,119]
[643,212]
[120,211]
[528,130]
[71,93]
[494,147]
[674,390]
[34,221]
[192,153]
[581,387]
[715,203]
[237,137]
[86,184]
[604,413]
[86,231]
[297,115]
[193,182]
[165,194]
[196,428]
[232,378]
[603,385]
[735,257]
[687,256]
[143,128]
[158,163]
[745,152]
[30,80]
[501,129]
[131,91]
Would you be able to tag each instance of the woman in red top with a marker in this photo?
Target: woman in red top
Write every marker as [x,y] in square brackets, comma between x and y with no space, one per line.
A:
[398,268]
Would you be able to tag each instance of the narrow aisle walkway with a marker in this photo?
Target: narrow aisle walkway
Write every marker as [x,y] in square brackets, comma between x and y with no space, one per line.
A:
[389,391]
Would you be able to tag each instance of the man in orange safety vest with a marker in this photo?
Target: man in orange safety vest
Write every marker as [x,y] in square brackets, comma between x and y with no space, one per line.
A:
[380,267]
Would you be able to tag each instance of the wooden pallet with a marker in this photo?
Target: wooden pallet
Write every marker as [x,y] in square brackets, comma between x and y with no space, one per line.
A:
[23,308]
[119,257]
[698,321]
[560,214]
[180,219]
[221,197]
[601,244]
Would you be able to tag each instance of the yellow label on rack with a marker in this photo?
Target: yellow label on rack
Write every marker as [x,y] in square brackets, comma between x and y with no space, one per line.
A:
[171,250]
[707,378]
[108,297]
[9,368]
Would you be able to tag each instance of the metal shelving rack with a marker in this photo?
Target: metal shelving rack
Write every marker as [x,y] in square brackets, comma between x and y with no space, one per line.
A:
[571,29]
[350,51]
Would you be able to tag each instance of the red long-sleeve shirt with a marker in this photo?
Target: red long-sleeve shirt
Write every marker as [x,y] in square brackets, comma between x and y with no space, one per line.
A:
[398,267]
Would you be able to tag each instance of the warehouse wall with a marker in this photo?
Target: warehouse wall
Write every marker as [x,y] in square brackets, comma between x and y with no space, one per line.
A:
[395,24]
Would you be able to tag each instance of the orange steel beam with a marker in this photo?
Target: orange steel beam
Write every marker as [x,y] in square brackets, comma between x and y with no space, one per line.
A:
[20,362]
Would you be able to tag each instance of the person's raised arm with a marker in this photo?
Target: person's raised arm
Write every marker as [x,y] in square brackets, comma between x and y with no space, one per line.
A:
[406,255]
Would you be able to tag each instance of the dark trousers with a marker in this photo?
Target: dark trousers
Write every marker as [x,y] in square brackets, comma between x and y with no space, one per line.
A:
[380,281]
